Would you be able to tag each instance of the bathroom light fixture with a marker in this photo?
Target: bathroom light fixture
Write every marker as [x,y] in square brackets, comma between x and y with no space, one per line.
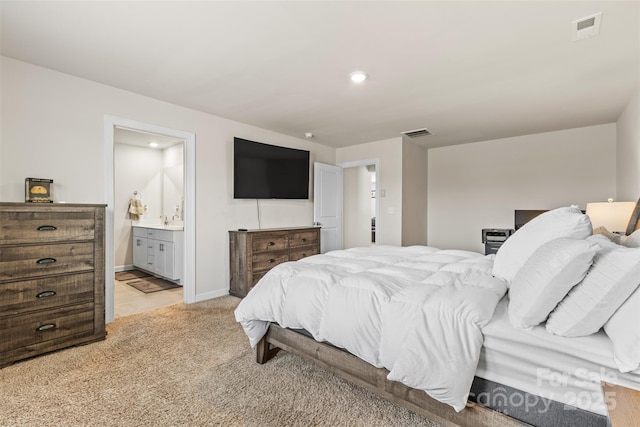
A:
[153,144]
[358,76]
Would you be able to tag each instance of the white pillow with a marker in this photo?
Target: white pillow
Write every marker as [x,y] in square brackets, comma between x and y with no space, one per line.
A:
[514,252]
[546,278]
[614,275]
[624,330]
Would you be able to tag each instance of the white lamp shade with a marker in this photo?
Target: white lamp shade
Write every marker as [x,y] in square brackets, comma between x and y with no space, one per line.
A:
[614,216]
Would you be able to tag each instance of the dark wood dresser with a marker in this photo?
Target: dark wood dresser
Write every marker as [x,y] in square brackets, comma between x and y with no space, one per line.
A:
[254,252]
[51,278]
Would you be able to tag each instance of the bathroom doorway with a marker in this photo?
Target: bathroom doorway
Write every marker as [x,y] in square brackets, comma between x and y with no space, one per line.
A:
[148,192]
[178,209]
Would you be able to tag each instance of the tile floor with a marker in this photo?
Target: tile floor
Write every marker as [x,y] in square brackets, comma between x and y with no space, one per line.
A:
[129,300]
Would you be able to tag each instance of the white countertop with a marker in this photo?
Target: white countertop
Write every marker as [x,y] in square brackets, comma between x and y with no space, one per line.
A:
[169,227]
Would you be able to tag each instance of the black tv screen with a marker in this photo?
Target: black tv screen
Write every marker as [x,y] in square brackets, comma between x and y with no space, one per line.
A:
[263,171]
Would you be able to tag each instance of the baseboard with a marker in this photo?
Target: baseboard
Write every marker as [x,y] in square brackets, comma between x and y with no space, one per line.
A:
[210,295]
[119,268]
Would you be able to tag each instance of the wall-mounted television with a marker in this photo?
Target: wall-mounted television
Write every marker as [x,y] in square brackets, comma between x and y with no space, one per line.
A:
[263,171]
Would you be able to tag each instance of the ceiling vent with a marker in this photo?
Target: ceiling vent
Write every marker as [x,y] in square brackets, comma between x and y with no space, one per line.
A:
[584,28]
[416,133]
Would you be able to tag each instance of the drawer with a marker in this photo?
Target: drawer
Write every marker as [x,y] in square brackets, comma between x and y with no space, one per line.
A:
[29,329]
[23,262]
[38,294]
[303,238]
[302,252]
[270,242]
[38,227]
[268,260]
[157,234]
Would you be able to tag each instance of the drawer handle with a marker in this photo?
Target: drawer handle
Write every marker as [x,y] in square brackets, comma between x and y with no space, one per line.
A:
[304,255]
[138,242]
[46,294]
[45,327]
[46,261]
[47,228]
[271,261]
[304,240]
[271,243]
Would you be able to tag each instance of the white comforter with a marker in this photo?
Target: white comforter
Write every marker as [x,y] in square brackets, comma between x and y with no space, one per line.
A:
[416,311]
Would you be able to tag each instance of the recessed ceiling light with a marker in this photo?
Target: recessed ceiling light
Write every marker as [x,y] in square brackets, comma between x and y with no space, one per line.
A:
[358,76]
[153,144]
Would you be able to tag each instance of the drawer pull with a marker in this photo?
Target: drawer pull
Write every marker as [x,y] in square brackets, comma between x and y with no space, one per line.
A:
[271,261]
[46,294]
[45,327]
[46,261]
[304,255]
[47,228]
[271,243]
[138,242]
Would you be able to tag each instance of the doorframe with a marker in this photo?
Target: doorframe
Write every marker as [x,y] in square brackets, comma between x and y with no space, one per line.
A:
[368,162]
[189,274]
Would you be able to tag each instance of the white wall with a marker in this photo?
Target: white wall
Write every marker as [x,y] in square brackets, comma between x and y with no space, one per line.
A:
[628,152]
[389,154]
[479,185]
[414,193]
[52,126]
[137,169]
[356,207]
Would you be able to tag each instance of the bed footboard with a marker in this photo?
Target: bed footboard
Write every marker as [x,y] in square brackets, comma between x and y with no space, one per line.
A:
[361,373]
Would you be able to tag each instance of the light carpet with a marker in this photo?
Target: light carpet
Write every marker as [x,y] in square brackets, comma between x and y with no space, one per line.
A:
[184,365]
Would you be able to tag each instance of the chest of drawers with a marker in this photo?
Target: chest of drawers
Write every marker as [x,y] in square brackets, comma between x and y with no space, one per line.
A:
[252,253]
[51,278]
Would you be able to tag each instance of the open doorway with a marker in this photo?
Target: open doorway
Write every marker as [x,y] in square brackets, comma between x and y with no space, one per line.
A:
[360,201]
[148,200]
[186,209]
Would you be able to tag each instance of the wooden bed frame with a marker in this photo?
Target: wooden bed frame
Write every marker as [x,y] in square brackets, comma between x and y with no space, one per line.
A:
[361,373]
[634,221]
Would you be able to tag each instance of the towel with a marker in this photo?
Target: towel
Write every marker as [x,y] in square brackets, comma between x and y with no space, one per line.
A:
[135,209]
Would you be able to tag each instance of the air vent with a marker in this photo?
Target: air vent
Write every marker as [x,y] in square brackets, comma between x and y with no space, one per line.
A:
[416,133]
[586,27]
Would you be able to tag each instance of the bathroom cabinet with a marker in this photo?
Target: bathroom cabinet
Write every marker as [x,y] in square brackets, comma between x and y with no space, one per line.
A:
[159,251]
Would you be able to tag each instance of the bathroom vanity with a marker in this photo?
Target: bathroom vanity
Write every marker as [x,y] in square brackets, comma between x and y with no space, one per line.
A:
[159,250]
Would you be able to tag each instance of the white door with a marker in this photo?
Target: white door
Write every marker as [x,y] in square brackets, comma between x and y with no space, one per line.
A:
[165,259]
[140,252]
[327,205]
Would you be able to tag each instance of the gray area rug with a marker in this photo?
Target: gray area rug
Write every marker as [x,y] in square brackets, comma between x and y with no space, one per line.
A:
[184,365]
[152,284]
[123,276]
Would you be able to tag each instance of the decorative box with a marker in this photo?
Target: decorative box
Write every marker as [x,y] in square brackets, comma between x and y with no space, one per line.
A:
[38,190]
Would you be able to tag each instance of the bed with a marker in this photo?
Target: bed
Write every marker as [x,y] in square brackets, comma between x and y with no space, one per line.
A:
[433,330]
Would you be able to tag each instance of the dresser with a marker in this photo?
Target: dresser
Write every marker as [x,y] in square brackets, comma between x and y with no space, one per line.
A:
[252,253]
[51,278]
